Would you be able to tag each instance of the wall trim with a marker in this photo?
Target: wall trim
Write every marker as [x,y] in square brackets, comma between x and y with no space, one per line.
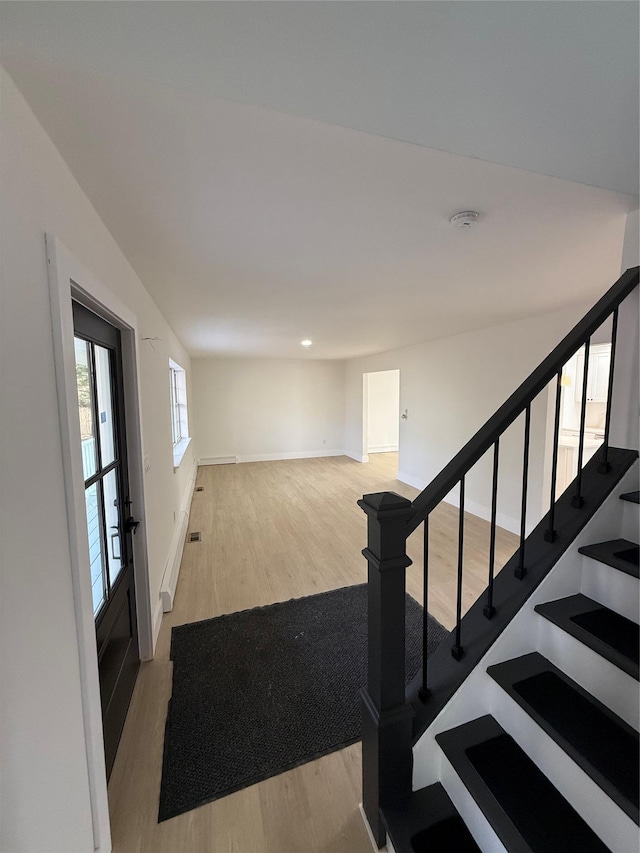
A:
[410,480]
[387,848]
[68,280]
[384,448]
[359,457]
[507,522]
[269,457]
[174,558]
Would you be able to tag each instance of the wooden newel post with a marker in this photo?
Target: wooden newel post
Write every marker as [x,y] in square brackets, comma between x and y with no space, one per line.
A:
[387,757]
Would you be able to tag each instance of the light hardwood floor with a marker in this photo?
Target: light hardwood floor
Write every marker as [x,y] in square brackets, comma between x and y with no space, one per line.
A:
[273,531]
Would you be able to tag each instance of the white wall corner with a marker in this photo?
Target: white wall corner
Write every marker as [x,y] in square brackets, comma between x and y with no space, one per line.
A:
[359,457]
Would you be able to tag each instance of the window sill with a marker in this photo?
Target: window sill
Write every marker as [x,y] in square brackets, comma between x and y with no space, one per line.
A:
[179,450]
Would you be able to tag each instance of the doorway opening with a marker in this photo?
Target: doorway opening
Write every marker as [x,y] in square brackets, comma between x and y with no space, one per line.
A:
[578,400]
[381,419]
[108,564]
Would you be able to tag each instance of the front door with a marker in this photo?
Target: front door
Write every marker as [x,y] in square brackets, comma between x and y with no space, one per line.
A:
[110,523]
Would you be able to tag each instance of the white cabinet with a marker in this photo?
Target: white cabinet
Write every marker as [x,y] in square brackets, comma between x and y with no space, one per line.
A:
[598,378]
[568,452]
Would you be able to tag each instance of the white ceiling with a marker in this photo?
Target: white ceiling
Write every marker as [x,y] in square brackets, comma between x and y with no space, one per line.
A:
[270,169]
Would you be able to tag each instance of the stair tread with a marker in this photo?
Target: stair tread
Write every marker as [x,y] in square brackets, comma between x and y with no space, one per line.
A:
[611,635]
[427,822]
[633,497]
[527,812]
[602,744]
[615,553]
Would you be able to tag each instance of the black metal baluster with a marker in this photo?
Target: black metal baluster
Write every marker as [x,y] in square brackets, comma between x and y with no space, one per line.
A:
[423,692]
[604,465]
[457,651]
[489,610]
[550,533]
[577,500]
[520,570]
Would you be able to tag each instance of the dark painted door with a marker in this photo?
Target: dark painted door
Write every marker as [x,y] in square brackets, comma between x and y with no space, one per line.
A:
[109,520]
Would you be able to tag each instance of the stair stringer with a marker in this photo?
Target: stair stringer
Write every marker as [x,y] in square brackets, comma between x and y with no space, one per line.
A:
[528,632]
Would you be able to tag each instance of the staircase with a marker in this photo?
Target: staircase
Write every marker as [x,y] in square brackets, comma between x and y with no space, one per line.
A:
[548,759]
[521,733]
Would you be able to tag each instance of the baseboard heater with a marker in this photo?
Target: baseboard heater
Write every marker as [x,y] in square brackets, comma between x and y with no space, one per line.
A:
[172,569]
[218,460]
[172,566]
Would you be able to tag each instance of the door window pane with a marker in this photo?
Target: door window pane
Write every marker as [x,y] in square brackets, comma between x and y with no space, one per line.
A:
[111,500]
[105,405]
[85,407]
[95,545]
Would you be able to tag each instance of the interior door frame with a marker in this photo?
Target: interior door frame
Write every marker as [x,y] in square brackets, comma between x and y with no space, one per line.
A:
[69,280]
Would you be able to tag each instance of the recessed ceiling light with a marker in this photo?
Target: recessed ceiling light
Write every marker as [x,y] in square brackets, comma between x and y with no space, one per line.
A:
[306,342]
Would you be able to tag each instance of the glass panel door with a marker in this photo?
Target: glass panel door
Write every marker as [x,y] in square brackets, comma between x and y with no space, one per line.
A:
[109,521]
[101,467]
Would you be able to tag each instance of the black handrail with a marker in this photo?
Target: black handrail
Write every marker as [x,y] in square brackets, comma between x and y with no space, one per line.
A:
[387,727]
[486,436]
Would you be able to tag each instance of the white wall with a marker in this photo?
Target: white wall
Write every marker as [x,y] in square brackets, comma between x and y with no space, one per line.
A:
[45,794]
[625,405]
[631,247]
[382,411]
[450,387]
[268,408]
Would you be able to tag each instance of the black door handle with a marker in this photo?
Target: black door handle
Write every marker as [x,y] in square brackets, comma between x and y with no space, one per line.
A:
[131,525]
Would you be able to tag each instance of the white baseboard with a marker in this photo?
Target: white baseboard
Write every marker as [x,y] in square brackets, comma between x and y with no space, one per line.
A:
[359,457]
[410,480]
[387,848]
[383,448]
[172,566]
[269,457]
[507,522]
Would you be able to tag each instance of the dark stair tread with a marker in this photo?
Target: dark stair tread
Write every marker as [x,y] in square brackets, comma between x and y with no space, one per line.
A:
[611,635]
[427,822]
[634,497]
[610,554]
[527,812]
[602,744]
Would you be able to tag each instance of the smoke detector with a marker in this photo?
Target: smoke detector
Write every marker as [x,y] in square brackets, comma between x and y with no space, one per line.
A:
[465,220]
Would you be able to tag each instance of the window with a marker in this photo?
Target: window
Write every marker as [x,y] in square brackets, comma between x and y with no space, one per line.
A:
[179,416]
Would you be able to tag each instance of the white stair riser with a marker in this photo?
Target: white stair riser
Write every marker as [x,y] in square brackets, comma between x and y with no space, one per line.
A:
[630,527]
[528,632]
[611,587]
[607,820]
[610,685]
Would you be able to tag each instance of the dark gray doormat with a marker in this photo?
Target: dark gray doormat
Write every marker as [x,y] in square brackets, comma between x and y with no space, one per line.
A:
[258,692]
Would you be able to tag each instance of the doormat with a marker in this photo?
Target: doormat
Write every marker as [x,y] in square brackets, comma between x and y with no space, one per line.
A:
[261,691]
